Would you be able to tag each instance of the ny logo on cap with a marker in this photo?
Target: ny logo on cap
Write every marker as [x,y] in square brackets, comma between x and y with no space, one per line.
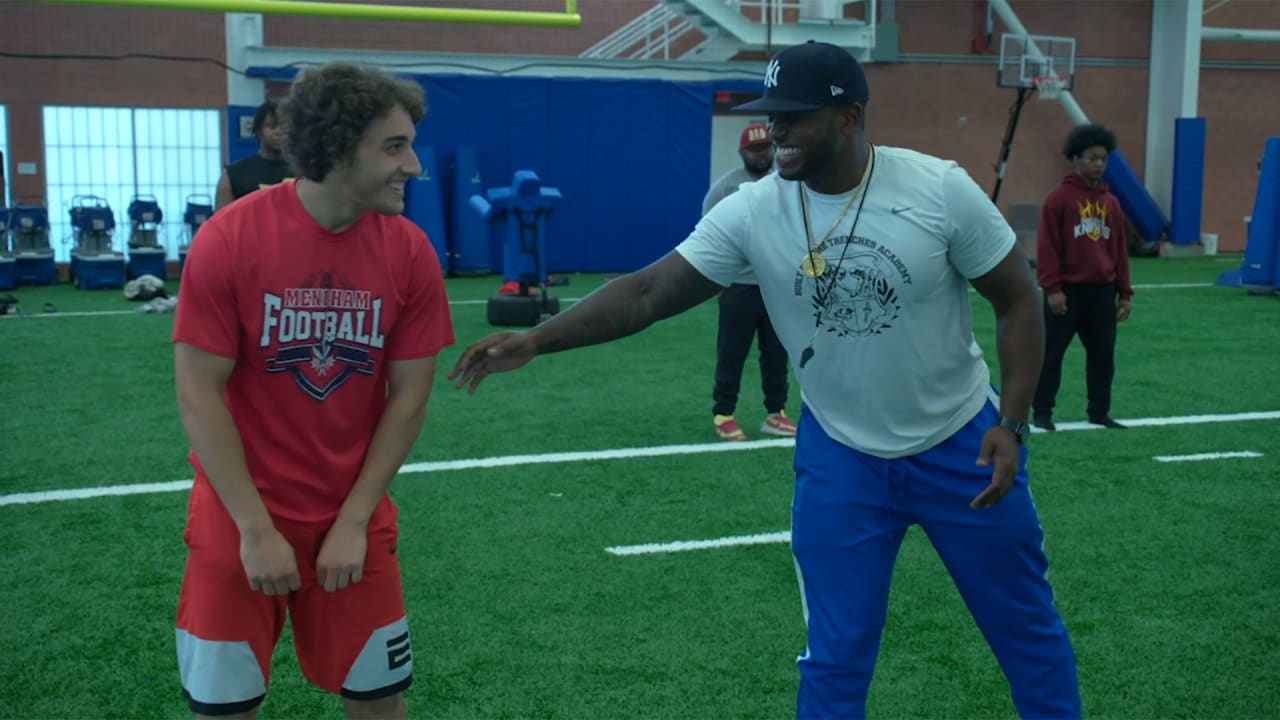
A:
[771,74]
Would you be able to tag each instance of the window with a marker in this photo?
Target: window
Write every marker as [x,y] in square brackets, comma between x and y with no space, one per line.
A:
[95,154]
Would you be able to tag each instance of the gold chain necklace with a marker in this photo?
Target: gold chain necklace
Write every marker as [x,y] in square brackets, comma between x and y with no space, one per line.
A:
[814,264]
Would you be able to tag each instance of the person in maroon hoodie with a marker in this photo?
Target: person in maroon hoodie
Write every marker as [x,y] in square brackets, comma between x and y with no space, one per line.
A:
[1083,266]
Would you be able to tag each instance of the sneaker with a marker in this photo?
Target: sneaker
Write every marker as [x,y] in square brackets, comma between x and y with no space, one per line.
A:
[727,428]
[1106,422]
[778,424]
[1044,422]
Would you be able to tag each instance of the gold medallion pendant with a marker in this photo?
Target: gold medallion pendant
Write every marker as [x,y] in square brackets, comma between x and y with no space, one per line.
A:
[813,265]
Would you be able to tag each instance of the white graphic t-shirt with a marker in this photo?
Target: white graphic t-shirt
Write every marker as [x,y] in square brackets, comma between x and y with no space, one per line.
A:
[894,368]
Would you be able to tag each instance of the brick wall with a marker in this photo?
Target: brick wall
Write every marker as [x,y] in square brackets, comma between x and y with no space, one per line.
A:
[26,85]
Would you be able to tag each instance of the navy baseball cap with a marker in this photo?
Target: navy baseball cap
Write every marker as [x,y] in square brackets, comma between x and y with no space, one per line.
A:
[808,77]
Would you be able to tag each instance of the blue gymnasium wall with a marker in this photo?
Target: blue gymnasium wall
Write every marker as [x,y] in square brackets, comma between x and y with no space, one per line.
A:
[630,157]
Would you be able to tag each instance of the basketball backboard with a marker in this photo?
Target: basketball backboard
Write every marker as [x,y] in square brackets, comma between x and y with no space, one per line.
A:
[1026,58]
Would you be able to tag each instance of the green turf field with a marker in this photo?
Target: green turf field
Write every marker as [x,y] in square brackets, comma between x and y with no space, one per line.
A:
[1166,572]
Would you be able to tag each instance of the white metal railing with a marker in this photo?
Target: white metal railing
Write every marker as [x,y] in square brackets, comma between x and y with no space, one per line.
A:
[775,11]
[651,34]
[643,37]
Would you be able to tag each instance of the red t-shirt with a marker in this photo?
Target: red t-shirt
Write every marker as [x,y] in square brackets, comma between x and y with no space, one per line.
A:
[311,318]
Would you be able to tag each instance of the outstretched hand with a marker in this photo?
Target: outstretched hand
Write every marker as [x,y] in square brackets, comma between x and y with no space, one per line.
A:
[998,444]
[494,354]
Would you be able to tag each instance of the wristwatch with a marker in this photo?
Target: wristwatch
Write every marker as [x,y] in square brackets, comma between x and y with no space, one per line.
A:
[1021,430]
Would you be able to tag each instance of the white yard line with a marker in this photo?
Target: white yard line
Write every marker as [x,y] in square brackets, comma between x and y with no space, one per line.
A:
[1197,457]
[563,300]
[587,456]
[686,545]
[74,313]
[98,313]
[422,467]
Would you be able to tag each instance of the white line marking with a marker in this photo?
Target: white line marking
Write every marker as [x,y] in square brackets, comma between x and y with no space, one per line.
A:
[1183,420]
[569,457]
[93,492]
[98,313]
[77,313]
[1155,286]
[685,545]
[486,300]
[1207,456]
[422,467]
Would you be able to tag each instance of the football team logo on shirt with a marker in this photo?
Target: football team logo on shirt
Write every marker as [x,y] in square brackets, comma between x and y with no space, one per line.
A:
[321,335]
[1093,221]
[855,294]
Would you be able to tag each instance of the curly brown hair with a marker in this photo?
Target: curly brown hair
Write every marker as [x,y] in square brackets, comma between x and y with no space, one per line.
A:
[329,107]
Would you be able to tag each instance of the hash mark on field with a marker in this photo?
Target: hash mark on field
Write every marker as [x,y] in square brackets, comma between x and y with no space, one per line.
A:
[685,545]
[569,457]
[1207,456]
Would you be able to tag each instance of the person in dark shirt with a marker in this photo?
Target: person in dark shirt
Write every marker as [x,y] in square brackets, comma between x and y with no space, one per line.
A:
[1083,266]
[743,316]
[264,169]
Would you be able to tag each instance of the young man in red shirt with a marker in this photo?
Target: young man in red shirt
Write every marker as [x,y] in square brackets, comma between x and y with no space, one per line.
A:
[309,320]
[1082,260]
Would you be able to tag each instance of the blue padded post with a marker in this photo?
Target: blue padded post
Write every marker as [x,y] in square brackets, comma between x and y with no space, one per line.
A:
[1187,201]
[1262,252]
[239,147]
[1137,203]
[424,204]
[469,241]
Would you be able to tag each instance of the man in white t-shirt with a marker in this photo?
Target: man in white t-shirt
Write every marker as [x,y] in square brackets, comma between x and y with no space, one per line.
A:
[864,255]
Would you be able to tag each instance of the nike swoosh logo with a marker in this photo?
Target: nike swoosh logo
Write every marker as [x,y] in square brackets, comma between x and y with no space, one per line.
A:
[899,211]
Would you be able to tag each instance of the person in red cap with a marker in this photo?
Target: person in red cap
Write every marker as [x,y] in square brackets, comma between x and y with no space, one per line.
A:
[742,313]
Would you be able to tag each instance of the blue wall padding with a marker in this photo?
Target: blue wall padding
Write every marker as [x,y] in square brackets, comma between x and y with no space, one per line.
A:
[469,241]
[424,202]
[1187,201]
[618,150]
[1137,203]
[1262,252]
[630,157]
[238,147]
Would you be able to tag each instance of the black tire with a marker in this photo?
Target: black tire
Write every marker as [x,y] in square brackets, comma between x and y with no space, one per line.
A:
[520,310]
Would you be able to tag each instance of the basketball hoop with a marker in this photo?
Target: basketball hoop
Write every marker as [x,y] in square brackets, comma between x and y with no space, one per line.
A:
[1048,86]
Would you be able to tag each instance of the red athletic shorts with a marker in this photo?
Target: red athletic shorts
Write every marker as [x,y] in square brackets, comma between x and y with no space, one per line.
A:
[353,642]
